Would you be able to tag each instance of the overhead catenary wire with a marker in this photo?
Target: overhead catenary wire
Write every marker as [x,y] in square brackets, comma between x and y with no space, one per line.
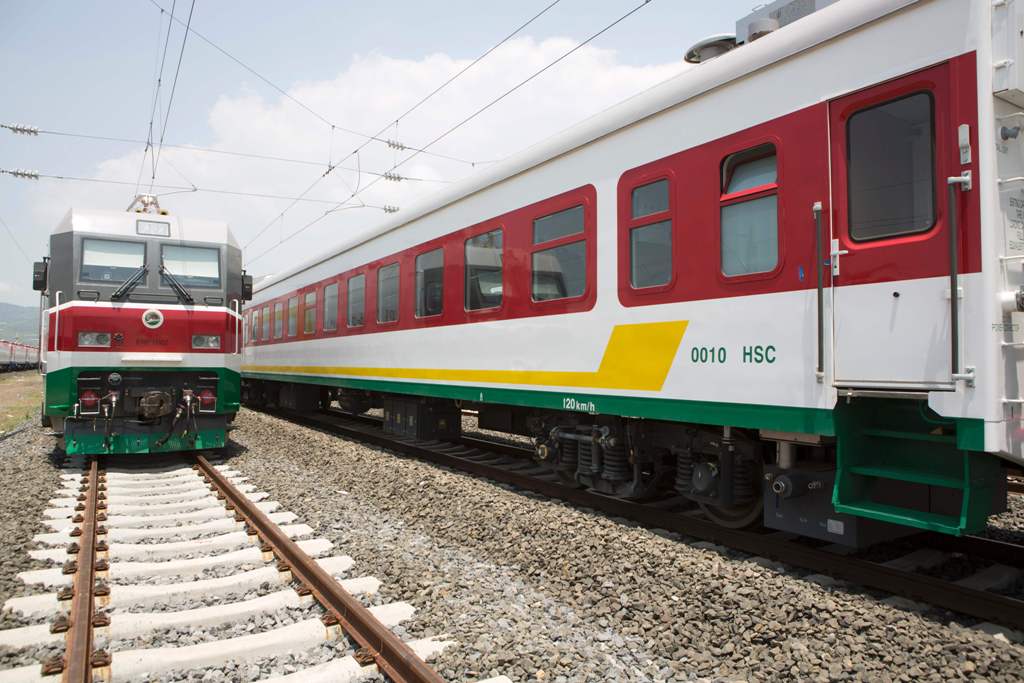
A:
[206,150]
[14,239]
[294,99]
[156,91]
[35,175]
[463,122]
[174,87]
[397,146]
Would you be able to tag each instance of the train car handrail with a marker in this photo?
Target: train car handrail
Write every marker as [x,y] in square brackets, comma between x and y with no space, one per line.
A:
[820,372]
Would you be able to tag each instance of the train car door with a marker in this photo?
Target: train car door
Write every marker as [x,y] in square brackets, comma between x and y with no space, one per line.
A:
[893,148]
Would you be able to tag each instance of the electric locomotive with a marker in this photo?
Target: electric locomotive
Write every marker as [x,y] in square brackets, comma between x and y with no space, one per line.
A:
[141,329]
[784,285]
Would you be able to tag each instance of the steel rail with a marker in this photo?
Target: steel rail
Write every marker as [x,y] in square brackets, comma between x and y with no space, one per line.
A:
[78,658]
[393,657]
[1001,609]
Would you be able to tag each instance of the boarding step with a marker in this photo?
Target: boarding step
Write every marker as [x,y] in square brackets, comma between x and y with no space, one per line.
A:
[901,463]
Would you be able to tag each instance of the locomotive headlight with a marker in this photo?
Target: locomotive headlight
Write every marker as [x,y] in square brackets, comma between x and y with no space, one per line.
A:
[94,339]
[205,341]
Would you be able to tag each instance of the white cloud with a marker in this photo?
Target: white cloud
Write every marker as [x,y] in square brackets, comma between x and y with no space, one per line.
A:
[373,89]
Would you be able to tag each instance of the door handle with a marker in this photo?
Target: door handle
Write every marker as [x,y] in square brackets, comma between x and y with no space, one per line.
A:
[834,255]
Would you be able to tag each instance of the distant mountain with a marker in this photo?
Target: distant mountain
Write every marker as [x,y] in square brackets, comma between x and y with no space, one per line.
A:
[19,323]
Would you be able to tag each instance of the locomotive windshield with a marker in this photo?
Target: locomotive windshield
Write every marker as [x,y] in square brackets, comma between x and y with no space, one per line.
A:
[111,261]
[192,266]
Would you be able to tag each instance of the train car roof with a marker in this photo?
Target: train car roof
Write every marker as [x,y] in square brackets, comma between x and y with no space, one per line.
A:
[124,224]
[802,35]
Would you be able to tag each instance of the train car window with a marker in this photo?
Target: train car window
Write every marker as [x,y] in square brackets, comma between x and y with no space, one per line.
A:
[192,266]
[266,323]
[559,272]
[649,199]
[890,152]
[110,260]
[278,320]
[650,235]
[255,335]
[750,212]
[558,225]
[356,300]
[484,271]
[331,307]
[293,316]
[650,255]
[430,283]
[387,293]
[245,330]
[309,314]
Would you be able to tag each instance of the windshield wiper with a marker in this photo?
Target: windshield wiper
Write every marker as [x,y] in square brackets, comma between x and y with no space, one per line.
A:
[126,286]
[178,288]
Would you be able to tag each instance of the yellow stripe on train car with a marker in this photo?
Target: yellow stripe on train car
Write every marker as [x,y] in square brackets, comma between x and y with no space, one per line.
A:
[638,357]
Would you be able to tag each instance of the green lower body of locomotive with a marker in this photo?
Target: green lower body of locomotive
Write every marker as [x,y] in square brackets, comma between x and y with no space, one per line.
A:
[128,435]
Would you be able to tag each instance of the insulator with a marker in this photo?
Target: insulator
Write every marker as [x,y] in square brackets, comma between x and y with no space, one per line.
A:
[392,176]
[21,173]
[19,129]
[616,463]
[388,208]
[395,144]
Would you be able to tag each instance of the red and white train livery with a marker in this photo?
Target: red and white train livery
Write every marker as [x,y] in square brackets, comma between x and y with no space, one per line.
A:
[785,283]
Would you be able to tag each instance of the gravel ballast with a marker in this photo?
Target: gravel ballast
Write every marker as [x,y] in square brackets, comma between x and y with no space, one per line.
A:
[537,590]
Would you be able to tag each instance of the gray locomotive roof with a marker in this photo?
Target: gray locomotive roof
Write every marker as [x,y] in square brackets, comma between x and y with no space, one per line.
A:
[122,223]
[797,37]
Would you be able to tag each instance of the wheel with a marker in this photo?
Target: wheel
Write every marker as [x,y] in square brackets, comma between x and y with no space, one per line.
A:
[735,517]
[745,514]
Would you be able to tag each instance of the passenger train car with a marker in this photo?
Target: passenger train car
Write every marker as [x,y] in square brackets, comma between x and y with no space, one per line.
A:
[17,356]
[142,327]
[785,284]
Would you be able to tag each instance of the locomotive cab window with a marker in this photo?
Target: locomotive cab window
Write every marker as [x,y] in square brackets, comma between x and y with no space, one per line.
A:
[293,316]
[749,210]
[559,271]
[356,300]
[278,320]
[110,261]
[331,307]
[387,293]
[650,235]
[430,283]
[309,314]
[484,271]
[192,266]
[890,153]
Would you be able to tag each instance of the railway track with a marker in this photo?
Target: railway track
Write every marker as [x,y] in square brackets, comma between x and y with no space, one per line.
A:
[983,592]
[134,549]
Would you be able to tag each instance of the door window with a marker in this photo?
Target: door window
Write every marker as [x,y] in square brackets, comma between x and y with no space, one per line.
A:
[890,157]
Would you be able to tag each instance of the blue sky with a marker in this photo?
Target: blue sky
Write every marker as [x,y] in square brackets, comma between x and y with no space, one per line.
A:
[89,68]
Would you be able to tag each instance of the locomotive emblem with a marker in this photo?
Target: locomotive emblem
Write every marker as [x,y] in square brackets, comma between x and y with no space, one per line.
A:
[152,318]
